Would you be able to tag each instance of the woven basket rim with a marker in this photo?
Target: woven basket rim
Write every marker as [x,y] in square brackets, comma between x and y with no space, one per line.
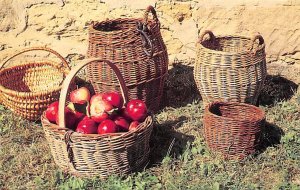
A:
[151,23]
[244,52]
[31,94]
[259,111]
[60,130]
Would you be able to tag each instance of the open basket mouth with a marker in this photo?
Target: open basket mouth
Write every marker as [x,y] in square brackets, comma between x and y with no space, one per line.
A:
[239,112]
[34,78]
[231,44]
[118,25]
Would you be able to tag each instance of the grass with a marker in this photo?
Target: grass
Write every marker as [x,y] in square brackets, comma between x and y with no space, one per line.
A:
[179,157]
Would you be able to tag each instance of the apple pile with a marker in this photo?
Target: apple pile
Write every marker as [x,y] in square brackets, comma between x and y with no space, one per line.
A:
[100,114]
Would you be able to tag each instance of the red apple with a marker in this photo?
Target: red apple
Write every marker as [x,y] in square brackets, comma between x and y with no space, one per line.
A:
[70,119]
[136,110]
[52,111]
[100,108]
[80,96]
[87,126]
[124,114]
[114,98]
[121,123]
[107,126]
[133,125]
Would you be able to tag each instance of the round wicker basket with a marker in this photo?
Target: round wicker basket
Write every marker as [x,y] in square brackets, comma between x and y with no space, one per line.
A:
[28,89]
[94,154]
[230,68]
[234,129]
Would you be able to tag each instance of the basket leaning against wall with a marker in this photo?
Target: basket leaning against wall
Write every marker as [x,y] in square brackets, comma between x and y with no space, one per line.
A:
[136,47]
[94,154]
[28,88]
[230,68]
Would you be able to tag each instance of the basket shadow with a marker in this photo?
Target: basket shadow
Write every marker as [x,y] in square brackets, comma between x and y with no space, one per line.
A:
[276,88]
[166,141]
[180,88]
[270,136]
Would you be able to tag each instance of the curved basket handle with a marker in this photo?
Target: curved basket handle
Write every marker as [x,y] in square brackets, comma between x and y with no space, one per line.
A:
[211,36]
[146,14]
[261,41]
[65,63]
[70,77]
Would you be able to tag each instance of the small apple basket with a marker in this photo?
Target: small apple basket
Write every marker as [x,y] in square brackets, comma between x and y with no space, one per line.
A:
[97,154]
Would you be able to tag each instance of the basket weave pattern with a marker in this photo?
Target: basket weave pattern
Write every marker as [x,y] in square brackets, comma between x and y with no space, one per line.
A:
[138,52]
[29,88]
[234,129]
[230,68]
[93,154]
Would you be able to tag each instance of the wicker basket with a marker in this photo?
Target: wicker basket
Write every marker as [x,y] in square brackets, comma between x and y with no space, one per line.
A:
[93,154]
[27,89]
[230,68]
[233,129]
[137,49]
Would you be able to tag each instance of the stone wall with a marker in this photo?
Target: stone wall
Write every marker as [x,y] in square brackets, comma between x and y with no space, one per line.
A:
[63,24]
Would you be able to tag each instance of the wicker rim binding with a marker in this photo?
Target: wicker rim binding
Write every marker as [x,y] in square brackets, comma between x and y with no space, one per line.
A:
[212,37]
[260,112]
[64,67]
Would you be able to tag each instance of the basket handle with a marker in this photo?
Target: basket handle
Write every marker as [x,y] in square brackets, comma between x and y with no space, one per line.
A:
[146,15]
[70,77]
[65,63]
[261,41]
[211,36]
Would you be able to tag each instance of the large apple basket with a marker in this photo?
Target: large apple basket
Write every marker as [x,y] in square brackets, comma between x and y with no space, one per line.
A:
[27,89]
[230,68]
[94,154]
[234,129]
[136,47]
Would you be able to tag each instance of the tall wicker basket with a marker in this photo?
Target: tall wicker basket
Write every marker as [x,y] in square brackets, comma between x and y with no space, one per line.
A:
[93,154]
[234,129]
[136,47]
[230,68]
[28,88]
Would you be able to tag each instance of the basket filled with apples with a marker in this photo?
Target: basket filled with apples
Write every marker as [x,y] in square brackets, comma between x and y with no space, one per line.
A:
[99,134]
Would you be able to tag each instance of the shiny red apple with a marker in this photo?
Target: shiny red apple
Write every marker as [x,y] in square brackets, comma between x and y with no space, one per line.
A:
[107,126]
[121,123]
[114,98]
[136,110]
[87,126]
[80,96]
[52,111]
[133,125]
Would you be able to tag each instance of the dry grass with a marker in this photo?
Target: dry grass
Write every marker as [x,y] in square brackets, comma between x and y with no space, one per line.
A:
[179,157]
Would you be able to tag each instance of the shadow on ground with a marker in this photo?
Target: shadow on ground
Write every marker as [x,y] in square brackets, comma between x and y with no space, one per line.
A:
[276,89]
[166,141]
[180,88]
[270,137]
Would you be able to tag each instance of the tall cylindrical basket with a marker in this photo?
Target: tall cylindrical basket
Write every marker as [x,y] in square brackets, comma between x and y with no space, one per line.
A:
[136,47]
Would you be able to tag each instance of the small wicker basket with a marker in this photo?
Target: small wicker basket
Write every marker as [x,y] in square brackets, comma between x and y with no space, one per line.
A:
[234,129]
[27,89]
[93,154]
[136,47]
[230,68]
